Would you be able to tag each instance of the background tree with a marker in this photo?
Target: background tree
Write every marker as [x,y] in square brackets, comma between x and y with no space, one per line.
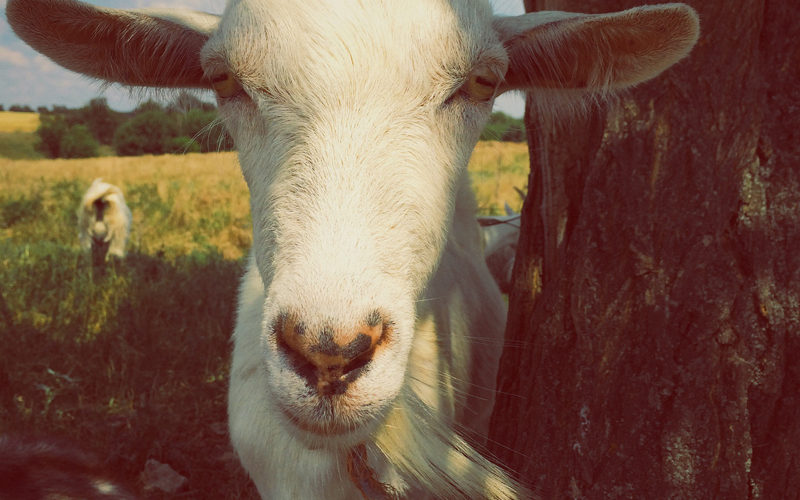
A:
[657,291]
[502,127]
[203,132]
[187,101]
[17,108]
[101,120]
[78,142]
[149,132]
[51,130]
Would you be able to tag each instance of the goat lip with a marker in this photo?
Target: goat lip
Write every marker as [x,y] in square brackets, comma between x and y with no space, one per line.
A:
[329,428]
[323,429]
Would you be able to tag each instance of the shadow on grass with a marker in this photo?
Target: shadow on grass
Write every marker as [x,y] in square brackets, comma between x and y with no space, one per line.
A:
[132,365]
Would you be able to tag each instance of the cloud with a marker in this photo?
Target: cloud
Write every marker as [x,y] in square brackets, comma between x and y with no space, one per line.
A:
[13,57]
[44,65]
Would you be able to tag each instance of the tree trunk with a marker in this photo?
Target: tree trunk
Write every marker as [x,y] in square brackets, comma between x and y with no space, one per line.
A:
[653,336]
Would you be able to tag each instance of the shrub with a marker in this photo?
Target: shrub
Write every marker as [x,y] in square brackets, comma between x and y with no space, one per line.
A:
[101,120]
[78,142]
[198,124]
[16,108]
[184,144]
[51,131]
[502,127]
[150,132]
[19,210]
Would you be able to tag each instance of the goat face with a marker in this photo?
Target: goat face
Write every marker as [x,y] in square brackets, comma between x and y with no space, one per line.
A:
[352,127]
[354,121]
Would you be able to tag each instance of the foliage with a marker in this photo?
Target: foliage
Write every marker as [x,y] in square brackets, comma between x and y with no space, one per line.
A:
[154,130]
[201,126]
[132,365]
[19,209]
[150,132]
[78,142]
[59,139]
[16,108]
[19,145]
[135,365]
[149,105]
[51,131]
[502,127]
[101,120]
[184,144]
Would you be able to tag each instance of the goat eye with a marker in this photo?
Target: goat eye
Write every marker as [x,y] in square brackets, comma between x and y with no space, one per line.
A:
[226,85]
[481,84]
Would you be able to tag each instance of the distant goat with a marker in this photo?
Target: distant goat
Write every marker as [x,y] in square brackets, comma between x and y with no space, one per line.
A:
[500,236]
[104,221]
[48,469]
[369,329]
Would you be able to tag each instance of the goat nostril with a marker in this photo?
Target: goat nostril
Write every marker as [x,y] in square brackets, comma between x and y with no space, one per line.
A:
[355,368]
[303,366]
[327,358]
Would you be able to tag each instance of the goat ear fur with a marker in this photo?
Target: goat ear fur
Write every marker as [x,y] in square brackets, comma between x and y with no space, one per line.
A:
[151,48]
[601,52]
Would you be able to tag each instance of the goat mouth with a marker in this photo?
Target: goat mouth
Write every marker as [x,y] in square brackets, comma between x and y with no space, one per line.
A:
[328,427]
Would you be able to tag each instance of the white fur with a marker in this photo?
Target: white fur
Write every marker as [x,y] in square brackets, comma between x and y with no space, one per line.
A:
[354,121]
[113,227]
[500,236]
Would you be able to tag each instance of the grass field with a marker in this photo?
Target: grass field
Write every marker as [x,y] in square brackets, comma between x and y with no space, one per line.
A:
[18,122]
[18,135]
[134,365]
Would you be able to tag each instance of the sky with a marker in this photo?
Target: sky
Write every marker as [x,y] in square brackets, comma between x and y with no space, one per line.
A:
[29,78]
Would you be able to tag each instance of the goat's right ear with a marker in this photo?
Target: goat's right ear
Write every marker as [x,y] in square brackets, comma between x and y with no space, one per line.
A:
[151,48]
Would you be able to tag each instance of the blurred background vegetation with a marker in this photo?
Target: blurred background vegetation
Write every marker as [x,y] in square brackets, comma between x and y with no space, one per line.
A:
[133,365]
[185,125]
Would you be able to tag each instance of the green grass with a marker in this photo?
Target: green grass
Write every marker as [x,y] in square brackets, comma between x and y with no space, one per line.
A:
[19,146]
[133,365]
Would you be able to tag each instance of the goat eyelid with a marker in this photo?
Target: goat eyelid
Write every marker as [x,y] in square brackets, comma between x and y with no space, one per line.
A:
[481,84]
[225,84]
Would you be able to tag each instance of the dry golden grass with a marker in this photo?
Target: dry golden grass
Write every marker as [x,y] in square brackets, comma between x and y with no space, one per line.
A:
[134,365]
[175,198]
[18,122]
[192,190]
[496,169]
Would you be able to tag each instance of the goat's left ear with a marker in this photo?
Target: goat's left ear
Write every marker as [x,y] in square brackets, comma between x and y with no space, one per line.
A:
[558,50]
[152,48]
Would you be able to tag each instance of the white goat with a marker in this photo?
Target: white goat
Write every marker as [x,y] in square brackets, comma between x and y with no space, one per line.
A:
[500,237]
[369,327]
[104,221]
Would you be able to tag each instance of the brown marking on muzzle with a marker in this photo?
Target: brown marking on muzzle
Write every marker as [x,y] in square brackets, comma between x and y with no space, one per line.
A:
[331,359]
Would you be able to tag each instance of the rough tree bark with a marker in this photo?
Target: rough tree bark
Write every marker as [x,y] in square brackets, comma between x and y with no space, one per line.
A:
[654,339]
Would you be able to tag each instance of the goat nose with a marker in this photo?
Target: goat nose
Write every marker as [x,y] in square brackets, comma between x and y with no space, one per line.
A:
[330,359]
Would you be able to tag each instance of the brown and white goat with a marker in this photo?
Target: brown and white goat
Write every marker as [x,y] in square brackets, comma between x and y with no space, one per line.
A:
[369,328]
[104,221]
